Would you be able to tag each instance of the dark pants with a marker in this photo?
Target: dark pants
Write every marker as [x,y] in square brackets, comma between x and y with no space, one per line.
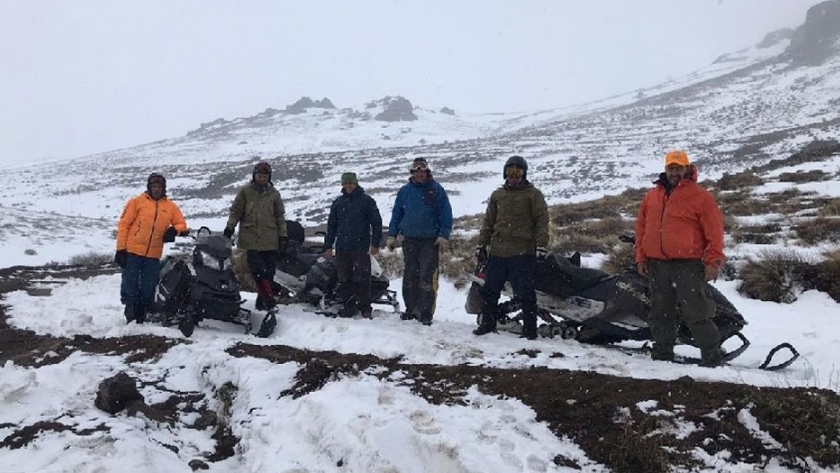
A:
[420,278]
[519,270]
[679,292]
[353,267]
[139,279]
[262,264]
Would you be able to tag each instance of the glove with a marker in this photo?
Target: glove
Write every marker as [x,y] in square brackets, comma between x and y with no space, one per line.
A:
[228,233]
[481,253]
[542,252]
[120,257]
[391,243]
[185,233]
[282,242]
[442,243]
[169,235]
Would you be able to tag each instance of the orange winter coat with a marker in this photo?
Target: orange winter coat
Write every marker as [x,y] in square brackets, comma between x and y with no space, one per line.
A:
[687,224]
[143,222]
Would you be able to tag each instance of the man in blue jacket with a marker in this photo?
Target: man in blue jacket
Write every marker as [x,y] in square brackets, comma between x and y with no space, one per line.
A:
[355,228]
[424,217]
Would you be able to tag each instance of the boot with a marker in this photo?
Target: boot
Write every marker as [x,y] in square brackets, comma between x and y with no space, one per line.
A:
[488,323]
[407,316]
[529,325]
[662,352]
[425,319]
[269,299]
[140,313]
[711,357]
[129,313]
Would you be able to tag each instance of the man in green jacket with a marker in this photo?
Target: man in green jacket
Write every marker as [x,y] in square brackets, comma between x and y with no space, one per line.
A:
[516,229]
[259,211]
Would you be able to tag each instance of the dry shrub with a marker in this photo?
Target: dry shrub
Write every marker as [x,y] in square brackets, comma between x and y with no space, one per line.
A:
[830,209]
[803,176]
[91,259]
[568,242]
[740,180]
[391,263]
[622,257]
[776,276]
[818,230]
[613,206]
[828,275]
[741,203]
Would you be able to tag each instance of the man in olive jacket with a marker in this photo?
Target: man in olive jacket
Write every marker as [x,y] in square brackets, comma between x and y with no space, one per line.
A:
[259,211]
[516,229]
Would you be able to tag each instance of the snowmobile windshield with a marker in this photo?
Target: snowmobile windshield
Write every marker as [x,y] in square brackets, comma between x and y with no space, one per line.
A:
[213,251]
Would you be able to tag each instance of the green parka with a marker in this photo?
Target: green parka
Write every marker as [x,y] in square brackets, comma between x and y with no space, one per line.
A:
[261,217]
[516,221]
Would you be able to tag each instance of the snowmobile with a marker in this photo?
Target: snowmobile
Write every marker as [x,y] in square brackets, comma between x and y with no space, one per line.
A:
[200,284]
[592,306]
[305,275]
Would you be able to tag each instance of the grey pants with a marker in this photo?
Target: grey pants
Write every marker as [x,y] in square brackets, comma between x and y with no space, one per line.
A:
[420,278]
[679,293]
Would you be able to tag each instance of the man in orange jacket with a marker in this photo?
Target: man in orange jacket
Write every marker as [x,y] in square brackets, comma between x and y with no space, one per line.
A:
[679,247]
[147,222]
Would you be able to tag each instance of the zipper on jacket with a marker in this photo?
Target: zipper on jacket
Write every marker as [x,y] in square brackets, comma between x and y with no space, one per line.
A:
[152,233]
[662,223]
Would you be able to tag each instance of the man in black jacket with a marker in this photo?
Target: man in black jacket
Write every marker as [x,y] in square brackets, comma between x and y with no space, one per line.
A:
[354,227]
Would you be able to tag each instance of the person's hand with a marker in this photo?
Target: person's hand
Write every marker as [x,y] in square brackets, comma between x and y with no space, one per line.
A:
[185,233]
[391,243]
[374,250]
[169,235]
[542,252]
[121,257]
[228,233]
[282,242]
[481,253]
[442,243]
[641,268]
[712,272]
[329,253]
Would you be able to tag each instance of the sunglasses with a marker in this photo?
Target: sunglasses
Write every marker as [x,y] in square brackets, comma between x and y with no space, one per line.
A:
[514,172]
[419,166]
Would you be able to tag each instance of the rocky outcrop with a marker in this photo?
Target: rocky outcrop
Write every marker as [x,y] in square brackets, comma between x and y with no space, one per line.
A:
[447,111]
[817,39]
[394,109]
[305,103]
[775,37]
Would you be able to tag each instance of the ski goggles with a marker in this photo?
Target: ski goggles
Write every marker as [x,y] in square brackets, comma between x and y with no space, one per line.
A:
[419,166]
[513,172]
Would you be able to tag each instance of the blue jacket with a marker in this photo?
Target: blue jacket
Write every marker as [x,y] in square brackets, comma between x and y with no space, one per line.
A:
[354,222]
[421,211]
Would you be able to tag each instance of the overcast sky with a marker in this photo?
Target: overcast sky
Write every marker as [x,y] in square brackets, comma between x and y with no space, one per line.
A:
[88,76]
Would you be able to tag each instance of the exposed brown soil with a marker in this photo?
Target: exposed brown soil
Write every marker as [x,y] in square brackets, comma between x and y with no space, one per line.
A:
[598,412]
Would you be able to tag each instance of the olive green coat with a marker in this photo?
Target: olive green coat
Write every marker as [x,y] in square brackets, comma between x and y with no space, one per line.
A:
[261,217]
[516,222]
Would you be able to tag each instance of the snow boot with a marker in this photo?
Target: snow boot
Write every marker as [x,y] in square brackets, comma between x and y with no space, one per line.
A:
[129,313]
[425,319]
[488,322]
[351,307]
[269,299]
[529,325]
[407,316]
[661,352]
[140,313]
[711,357]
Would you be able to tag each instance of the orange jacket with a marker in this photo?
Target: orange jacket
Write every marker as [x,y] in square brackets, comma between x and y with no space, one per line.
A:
[687,224]
[143,222]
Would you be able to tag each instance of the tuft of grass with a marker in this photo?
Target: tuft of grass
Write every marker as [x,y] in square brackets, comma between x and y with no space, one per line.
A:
[828,275]
[91,259]
[831,208]
[620,258]
[240,270]
[777,276]
[740,180]
[804,176]
[818,230]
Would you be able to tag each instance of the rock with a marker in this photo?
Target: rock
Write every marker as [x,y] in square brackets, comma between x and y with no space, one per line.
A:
[816,40]
[116,392]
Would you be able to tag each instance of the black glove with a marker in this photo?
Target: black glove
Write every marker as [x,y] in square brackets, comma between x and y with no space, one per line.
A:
[169,235]
[120,257]
[228,232]
[481,253]
[185,233]
[281,243]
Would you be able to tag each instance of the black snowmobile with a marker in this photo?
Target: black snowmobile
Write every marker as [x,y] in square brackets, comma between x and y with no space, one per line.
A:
[200,285]
[592,306]
[307,276]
